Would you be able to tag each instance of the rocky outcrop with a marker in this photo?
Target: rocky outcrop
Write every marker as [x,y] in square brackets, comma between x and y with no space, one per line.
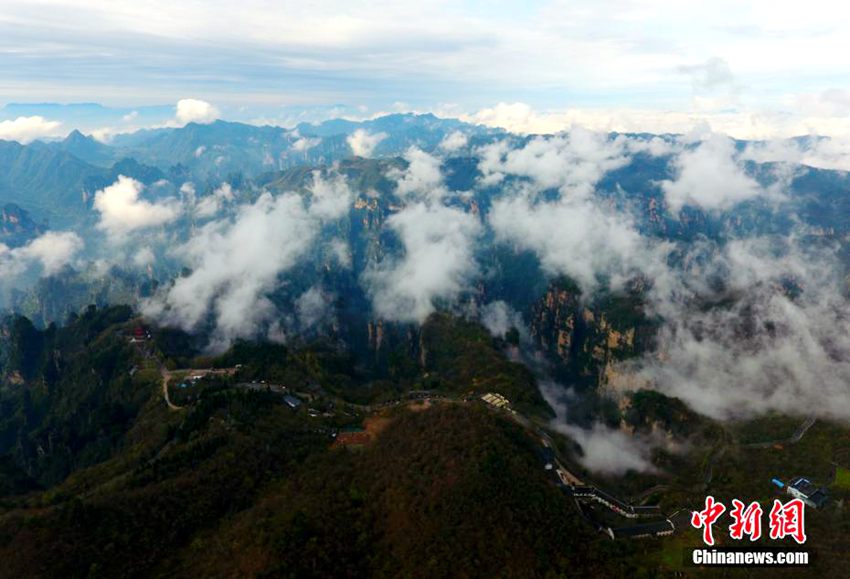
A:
[554,321]
[376,334]
[587,340]
[17,227]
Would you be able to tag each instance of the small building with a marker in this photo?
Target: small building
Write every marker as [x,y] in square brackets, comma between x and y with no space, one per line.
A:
[291,401]
[811,494]
[641,531]
[139,335]
[567,479]
[496,400]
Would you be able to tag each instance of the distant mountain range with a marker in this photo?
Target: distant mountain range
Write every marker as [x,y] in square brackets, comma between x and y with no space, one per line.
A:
[56,180]
[52,185]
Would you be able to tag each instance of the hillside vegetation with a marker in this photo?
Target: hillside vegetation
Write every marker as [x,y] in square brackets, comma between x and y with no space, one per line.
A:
[101,479]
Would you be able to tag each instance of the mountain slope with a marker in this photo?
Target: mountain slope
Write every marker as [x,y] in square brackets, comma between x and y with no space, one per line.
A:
[17,226]
[86,148]
[238,484]
[46,182]
[447,491]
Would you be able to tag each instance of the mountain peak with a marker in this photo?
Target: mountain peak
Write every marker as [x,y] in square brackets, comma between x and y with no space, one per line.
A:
[85,147]
[76,136]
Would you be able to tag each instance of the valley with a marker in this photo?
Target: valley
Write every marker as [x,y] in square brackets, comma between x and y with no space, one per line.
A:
[399,363]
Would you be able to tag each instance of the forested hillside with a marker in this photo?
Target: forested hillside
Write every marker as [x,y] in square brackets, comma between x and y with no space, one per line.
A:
[101,479]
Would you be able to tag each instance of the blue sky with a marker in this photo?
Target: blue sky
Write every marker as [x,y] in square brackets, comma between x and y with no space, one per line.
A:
[745,67]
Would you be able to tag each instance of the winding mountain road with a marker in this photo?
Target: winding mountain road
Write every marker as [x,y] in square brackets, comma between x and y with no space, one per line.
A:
[195,372]
[793,439]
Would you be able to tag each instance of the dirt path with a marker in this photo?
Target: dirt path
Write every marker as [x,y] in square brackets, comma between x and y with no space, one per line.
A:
[793,439]
[195,372]
[166,376]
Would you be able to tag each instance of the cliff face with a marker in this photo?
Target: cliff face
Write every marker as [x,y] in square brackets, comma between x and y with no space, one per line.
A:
[553,322]
[16,226]
[586,340]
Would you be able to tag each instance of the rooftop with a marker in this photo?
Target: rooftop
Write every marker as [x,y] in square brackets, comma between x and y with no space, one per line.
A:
[804,485]
[806,489]
[292,401]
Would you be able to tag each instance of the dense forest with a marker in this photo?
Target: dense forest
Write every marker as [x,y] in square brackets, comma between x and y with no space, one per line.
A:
[301,460]
[100,479]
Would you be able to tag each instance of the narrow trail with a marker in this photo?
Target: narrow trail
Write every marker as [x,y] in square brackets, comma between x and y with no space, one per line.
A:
[793,439]
[195,373]
[166,376]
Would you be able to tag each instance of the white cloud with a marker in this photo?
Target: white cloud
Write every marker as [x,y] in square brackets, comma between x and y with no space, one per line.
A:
[772,336]
[213,203]
[122,211]
[234,264]
[629,53]
[195,111]
[709,176]
[51,251]
[499,317]
[438,262]
[363,143]
[739,122]
[188,193]
[576,237]
[422,177]
[144,257]
[609,451]
[748,325]
[341,252]
[454,142]
[330,197]
[604,450]
[519,118]
[713,84]
[313,307]
[709,75]
[26,129]
[822,153]
[236,261]
[573,162]
[303,144]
